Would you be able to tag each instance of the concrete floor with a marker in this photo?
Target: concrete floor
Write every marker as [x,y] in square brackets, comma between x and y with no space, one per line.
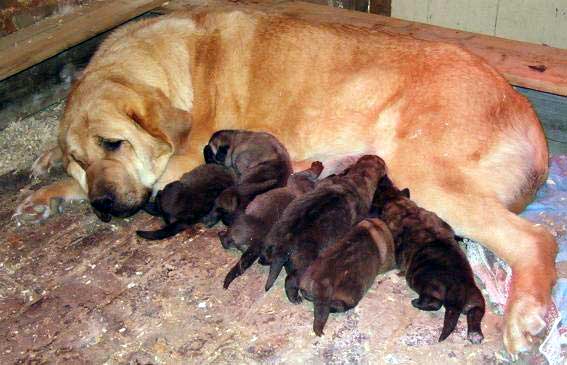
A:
[76,290]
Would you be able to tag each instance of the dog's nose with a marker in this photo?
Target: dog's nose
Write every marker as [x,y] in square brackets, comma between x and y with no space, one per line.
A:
[104,203]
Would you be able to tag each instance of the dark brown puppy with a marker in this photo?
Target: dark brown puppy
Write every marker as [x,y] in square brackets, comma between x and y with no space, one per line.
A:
[259,161]
[313,221]
[338,279]
[434,264]
[248,231]
[186,202]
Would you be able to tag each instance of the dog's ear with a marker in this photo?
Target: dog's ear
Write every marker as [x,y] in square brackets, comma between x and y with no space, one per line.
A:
[164,121]
[405,192]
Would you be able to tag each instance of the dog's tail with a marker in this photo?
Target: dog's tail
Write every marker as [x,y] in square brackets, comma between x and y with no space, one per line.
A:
[321,315]
[246,260]
[165,232]
[450,322]
[275,269]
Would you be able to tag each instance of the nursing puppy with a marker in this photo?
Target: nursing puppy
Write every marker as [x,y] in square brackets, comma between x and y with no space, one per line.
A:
[342,274]
[248,231]
[313,221]
[259,161]
[434,265]
[186,202]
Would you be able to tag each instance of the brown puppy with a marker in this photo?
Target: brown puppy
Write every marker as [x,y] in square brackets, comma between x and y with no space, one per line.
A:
[433,263]
[258,160]
[186,202]
[338,279]
[249,230]
[450,128]
[313,221]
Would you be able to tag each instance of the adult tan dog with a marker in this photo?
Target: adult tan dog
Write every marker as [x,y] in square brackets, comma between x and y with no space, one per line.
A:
[450,128]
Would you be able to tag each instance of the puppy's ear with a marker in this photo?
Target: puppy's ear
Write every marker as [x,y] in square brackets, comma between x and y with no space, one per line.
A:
[222,151]
[406,193]
[208,154]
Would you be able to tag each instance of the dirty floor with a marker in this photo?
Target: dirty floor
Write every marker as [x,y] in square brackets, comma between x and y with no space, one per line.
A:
[75,290]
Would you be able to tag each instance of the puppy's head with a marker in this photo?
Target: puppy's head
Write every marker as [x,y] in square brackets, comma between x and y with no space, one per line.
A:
[387,192]
[219,150]
[370,166]
[117,137]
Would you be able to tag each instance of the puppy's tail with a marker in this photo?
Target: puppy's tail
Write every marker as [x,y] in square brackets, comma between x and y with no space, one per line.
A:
[275,269]
[321,315]
[167,231]
[450,322]
[246,260]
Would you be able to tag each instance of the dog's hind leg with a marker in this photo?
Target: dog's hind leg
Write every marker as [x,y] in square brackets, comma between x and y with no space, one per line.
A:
[529,249]
[246,260]
[165,232]
[292,287]
[474,331]
[426,303]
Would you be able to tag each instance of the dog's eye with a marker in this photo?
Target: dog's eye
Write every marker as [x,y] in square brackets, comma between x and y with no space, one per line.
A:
[111,144]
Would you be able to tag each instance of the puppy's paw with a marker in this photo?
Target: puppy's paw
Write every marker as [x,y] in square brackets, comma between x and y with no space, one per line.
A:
[475,337]
[36,208]
[524,320]
[46,162]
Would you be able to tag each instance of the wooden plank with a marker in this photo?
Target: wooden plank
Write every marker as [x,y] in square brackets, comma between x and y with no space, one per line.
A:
[523,64]
[46,83]
[50,36]
[382,7]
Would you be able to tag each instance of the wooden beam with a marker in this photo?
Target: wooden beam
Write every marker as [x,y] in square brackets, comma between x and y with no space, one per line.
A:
[524,64]
[42,40]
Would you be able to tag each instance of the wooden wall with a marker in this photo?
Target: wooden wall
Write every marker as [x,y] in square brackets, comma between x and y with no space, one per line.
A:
[18,14]
[536,21]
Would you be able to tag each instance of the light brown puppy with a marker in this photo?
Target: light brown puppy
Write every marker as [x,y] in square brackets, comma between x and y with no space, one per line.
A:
[449,127]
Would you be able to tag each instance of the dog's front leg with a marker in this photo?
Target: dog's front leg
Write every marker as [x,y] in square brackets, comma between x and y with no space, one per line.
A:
[47,160]
[47,201]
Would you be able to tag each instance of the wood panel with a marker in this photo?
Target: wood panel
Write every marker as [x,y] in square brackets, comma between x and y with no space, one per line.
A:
[541,22]
[44,39]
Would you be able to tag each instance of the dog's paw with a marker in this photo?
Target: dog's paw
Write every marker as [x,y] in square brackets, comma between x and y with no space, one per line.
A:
[45,162]
[524,320]
[36,208]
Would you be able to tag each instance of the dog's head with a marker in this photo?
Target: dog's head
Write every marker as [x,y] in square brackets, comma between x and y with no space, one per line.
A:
[117,137]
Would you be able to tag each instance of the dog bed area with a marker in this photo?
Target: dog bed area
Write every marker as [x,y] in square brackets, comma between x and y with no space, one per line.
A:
[76,290]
